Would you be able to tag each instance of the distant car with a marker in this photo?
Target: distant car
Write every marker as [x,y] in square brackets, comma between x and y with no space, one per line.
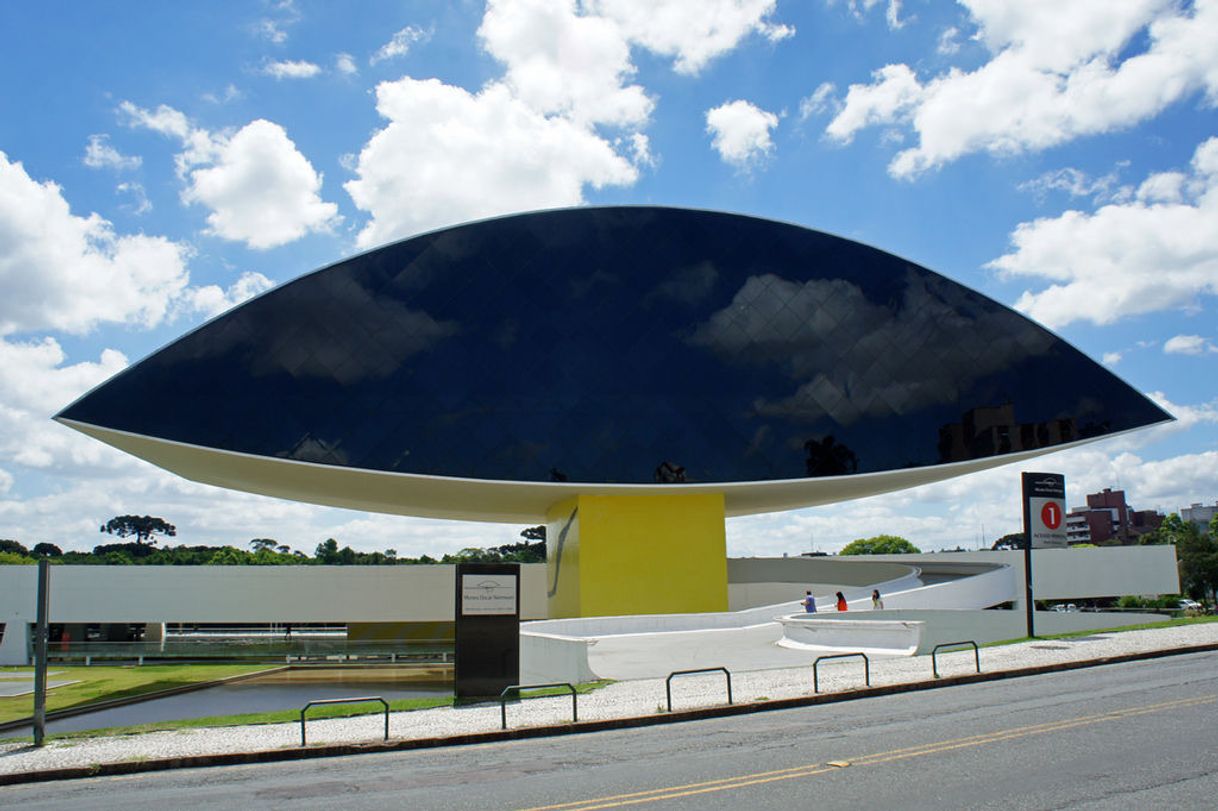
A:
[1065,608]
[1189,605]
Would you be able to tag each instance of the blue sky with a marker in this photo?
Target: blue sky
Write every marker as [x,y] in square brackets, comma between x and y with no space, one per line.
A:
[161,162]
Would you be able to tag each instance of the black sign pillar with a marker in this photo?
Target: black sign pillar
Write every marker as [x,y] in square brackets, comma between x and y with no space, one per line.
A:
[488,629]
[43,609]
[1044,517]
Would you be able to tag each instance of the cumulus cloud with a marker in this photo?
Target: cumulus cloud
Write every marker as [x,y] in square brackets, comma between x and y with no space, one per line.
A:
[693,34]
[66,272]
[1189,345]
[535,136]
[100,155]
[258,186]
[1140,256]
[559,61]
[290,69]
[399,44]
[740,132]
[261,190]
[1056,72]
[211,300]
[35,382]
[448,155]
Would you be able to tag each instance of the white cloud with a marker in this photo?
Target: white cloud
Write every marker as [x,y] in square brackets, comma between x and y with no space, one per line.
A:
[290,69]
[399,44]
[211,300]
[1057,72]
[562,62]
[35,383]
[820,101]
[891,96]
[694,34]
[62,271]
[1112,358]
[140,203]
[1189,345]
[447,155]
[1077,183]
[948,42]
[100,155]
[260,189]
[740,132]
[344,63]
[1124,259]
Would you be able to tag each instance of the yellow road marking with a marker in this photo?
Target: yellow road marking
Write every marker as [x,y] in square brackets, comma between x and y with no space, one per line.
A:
[813,769]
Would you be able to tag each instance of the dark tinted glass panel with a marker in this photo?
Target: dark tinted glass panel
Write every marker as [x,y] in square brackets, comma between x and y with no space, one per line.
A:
[621,345]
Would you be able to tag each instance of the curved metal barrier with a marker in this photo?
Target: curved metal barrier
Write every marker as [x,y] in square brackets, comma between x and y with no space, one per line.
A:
[934,662]
[819,659]
[724,670]
[358,700]
[518,687]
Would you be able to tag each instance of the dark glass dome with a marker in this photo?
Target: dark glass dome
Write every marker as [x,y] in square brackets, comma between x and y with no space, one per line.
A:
[620,345]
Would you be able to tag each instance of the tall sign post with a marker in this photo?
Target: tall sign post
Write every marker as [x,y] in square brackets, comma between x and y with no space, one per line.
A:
[1044,526]
[40,650]
[488,629]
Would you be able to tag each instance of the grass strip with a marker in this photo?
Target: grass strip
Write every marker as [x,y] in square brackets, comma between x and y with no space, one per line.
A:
[293,716]
[104,682]
[1170,623]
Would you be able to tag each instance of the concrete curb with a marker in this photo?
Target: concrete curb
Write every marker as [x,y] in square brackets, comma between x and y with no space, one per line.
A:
[340,750]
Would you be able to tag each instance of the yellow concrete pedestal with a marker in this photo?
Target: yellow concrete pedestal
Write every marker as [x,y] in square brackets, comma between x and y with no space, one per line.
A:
[615,555]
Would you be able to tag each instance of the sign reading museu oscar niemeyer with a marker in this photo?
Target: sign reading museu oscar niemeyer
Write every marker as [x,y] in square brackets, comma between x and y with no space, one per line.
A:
[487,629]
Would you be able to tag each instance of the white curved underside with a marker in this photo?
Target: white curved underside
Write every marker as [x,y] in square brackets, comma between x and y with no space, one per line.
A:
[499,501]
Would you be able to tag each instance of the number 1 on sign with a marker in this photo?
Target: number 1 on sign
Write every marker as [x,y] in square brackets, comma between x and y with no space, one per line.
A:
[1051,515]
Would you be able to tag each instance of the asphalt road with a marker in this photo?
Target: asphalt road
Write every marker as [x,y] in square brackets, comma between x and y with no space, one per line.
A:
[1139,735]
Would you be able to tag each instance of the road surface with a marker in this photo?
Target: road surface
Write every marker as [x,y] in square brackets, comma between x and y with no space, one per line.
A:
[1138,735]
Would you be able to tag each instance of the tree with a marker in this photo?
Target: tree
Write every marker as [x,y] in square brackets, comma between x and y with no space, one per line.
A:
[1012,540]
[10,558]
[141,527]
[880,545]
[537,533]
[258,544]
[14,547]
[47,550]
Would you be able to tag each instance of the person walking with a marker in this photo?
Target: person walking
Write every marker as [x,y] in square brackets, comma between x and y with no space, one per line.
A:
[841,601]
[809,603]
[877,603]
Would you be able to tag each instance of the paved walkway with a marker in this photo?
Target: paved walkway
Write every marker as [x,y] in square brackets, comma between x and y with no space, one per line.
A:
[623,699]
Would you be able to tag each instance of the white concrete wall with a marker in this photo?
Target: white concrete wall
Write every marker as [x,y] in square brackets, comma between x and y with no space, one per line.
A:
[941,626]
[546,658]
[1062,574]
[220,594]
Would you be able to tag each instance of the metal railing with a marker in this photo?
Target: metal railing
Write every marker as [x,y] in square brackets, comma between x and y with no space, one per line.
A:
[934,662]
[503,699]
[358,700]
[260,648]
[819,659]
[724,670]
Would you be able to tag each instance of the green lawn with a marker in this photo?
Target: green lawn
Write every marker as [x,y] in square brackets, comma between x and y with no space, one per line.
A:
[1170,623]
[277,717]
[97,683]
